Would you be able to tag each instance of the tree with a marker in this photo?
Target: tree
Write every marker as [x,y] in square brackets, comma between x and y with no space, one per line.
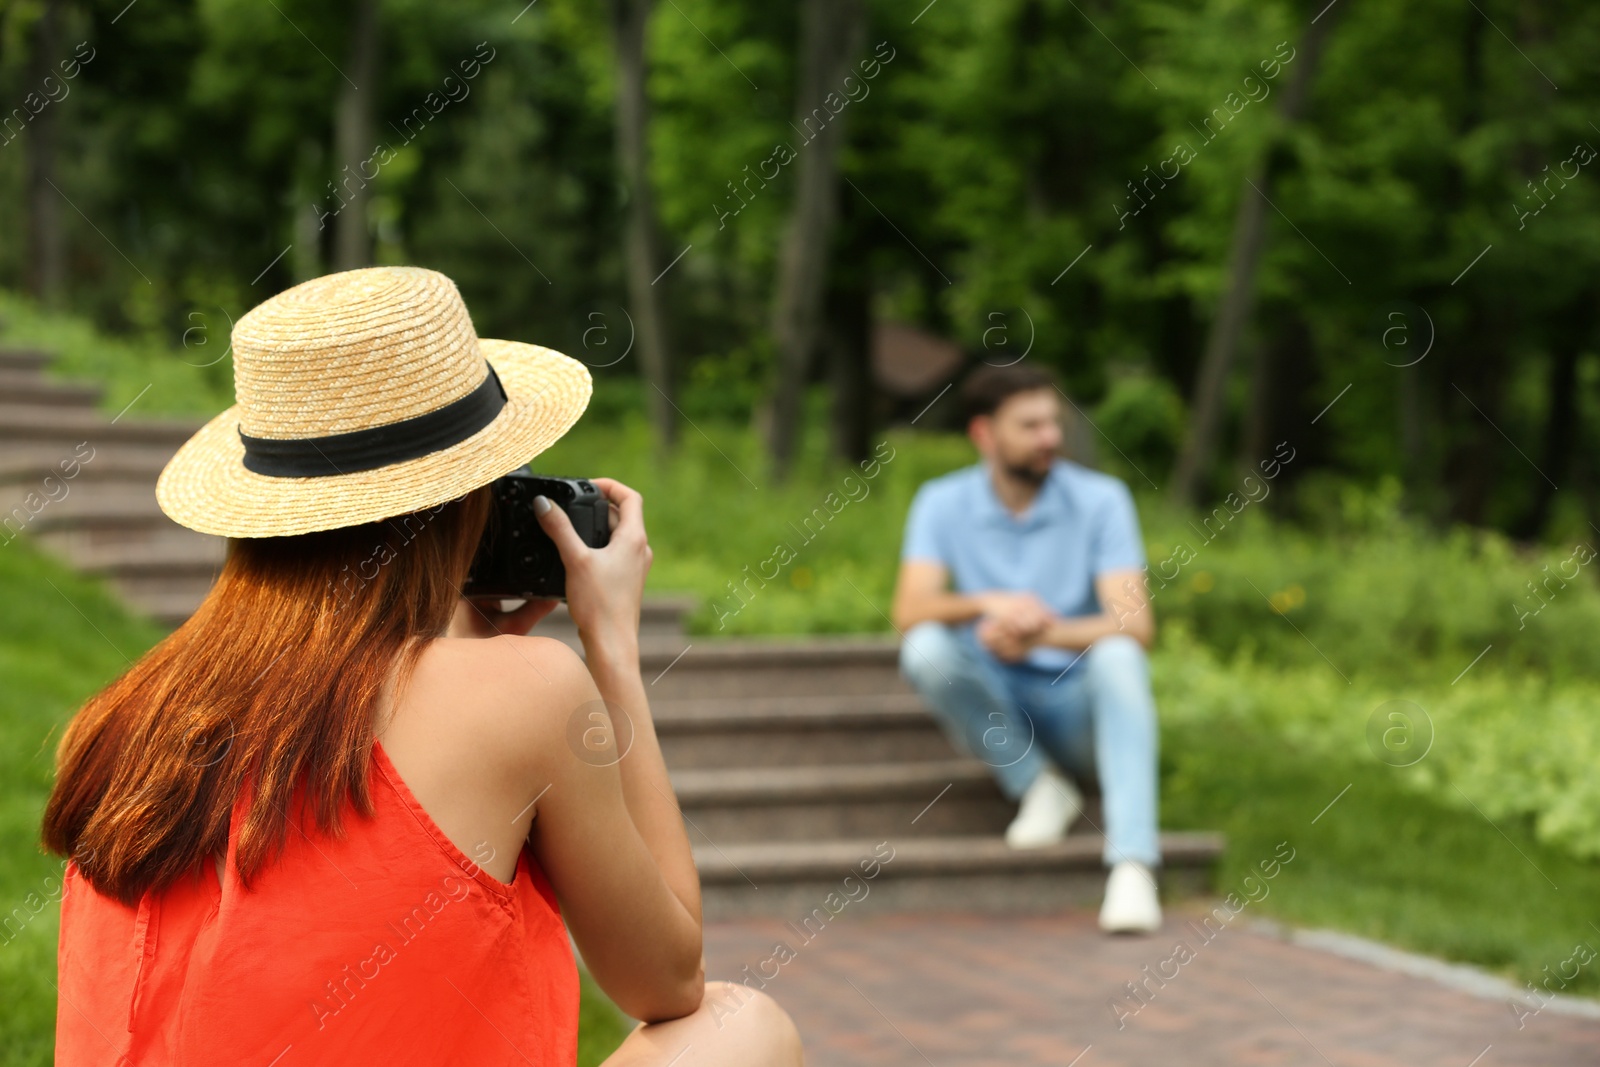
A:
[848,340]
[1233,314]
[353,146]
[46,263]
[831,37]
[629,19]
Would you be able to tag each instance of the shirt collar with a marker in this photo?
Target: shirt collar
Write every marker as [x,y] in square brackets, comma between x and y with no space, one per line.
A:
[1049,504]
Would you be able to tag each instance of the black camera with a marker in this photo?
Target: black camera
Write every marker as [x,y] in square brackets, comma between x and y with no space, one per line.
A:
[516,559]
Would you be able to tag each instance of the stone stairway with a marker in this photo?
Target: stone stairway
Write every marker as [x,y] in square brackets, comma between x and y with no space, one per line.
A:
[794,760]
[98,512]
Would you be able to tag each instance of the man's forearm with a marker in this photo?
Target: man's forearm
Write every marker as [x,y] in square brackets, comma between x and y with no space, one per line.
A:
[1079,632]
[938,607]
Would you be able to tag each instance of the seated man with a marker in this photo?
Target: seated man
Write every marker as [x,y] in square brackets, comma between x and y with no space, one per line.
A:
[1035,661]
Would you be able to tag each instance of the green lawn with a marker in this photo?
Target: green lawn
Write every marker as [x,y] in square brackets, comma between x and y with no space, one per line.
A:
[1383,862]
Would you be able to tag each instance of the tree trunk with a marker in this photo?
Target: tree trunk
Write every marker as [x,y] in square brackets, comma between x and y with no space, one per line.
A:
[1477,376]
[46,260]
[1233,314]
[1476,366]
[832,33]
[849,344]
[1274,379]
[628,21]
[1415,460]
[849,338]
[305,260]
[353,145]
[1574,336]
[1249,230]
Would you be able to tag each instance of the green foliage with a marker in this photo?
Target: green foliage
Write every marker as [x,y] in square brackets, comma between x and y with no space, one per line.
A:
[1144,415]
[1376,596]
[1511,747]
[194,377]
[992,147]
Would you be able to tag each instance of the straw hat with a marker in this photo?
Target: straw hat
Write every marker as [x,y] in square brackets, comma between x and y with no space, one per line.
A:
[364,395]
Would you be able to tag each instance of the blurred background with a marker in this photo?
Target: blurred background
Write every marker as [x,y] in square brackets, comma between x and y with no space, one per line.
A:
[1318,278]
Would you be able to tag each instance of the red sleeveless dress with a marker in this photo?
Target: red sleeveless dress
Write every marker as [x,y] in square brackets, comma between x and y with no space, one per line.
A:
[385,946]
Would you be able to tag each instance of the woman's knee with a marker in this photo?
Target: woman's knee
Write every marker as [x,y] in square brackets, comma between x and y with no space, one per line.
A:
[734,1026]
[755,1022]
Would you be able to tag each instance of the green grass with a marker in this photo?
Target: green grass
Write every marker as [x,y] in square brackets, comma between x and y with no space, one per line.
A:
[601,1027]
[51,657]
[1383,862]
[61,638]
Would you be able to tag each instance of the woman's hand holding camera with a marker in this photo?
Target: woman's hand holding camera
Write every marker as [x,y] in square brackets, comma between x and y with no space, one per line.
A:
[604,585]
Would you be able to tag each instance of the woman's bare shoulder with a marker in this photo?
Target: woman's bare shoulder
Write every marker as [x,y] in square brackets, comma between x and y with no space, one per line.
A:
[504,697]
[473,733]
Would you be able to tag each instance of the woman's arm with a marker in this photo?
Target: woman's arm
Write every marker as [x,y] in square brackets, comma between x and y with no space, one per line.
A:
[608,836]
[608,831]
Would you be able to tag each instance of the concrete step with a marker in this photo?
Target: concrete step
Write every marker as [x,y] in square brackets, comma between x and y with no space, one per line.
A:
[88,517]
[660,619]
[169,607]
[29,463]
[164,579]
[100,542]
[66,428]
[189,586]
[161,569]
[799,803]
[182,555]
[702,668]
[110,504]
[19,358]
[30,387]
[807,880]
[763,730]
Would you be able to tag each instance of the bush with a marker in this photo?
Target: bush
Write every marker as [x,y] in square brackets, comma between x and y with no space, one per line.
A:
[1505,745]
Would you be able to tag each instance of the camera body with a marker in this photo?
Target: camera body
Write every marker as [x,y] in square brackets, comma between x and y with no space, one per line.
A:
[516,559]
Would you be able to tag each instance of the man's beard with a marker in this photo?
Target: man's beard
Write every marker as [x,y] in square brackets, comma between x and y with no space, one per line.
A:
[1028,473]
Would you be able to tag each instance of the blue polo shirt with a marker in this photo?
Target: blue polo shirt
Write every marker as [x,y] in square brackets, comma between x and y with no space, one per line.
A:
[1081,524]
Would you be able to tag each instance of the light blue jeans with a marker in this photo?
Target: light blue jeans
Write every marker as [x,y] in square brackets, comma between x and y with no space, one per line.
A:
[1095,722]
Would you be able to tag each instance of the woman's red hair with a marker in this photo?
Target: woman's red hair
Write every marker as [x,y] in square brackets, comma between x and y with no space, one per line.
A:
[273,681]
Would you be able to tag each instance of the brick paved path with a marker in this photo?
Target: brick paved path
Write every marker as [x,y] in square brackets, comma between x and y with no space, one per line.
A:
[965,991]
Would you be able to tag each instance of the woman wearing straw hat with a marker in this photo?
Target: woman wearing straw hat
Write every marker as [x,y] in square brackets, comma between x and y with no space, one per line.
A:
[335,817]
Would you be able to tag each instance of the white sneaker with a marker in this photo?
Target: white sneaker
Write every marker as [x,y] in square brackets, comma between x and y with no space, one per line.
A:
[1131,905]
[1049,807]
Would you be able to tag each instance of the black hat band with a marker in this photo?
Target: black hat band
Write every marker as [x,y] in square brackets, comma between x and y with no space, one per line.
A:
[377,446]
